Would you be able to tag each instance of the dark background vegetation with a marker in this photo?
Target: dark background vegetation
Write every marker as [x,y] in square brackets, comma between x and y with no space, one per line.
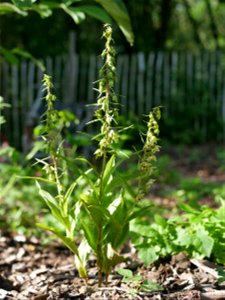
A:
[157,24]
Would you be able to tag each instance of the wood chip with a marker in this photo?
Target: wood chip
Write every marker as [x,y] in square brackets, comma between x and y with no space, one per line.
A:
[215,295]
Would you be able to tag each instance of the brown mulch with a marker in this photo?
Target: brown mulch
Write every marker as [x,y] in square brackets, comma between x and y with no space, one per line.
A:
[31,271]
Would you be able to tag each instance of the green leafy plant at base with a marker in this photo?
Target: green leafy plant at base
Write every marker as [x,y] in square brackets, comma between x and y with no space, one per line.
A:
[198,232]
[137,283]
[100,201]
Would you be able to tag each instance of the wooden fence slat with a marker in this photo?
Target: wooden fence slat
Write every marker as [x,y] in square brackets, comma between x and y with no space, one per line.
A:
[132,84]
[149,82]
[30,83]
[15,103]
[158,79]
[166,95]
[140,82]
[124,79]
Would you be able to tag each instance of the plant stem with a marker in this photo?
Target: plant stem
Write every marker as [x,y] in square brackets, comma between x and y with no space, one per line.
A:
[99,256]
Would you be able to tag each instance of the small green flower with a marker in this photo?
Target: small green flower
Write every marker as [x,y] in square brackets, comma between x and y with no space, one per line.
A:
[150,149]
[107,100]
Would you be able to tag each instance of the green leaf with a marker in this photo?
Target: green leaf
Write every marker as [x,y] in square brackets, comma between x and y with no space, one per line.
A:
[203,242]
[70,190]
[8,55]
[150,286]
[108,171]
[38,179]
[10,8]
[117,10]
[67,241]
[99,214]
[28,55]
[125,272]
[53,205]
[37,146]
[148,255]
[160,221]
[86,176]
[80,262]
[139,212]
[184,237]
[74,12]
[187,208]
[96,12]
[113,258]
[90,231]
[118,227]
[23,3]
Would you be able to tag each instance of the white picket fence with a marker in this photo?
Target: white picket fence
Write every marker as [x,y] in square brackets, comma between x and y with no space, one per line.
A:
[180,82]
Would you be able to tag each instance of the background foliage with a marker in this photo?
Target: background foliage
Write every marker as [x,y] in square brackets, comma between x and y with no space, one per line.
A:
[157,25]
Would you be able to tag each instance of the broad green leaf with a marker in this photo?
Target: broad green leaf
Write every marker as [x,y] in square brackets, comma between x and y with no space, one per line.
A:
[203,242]
[113,258]
[118,227]
[10,183]
[74,12]
[8,55]
[10,8]
[184,237]
[38,145]
[121,237]
[96,12]
[113,206]
[68,2]
[48,197]
[23,3]
[88,199]
[151,286]
[70,190]
[98,213]
[28,55]
[148,255]
[117,10]
[90,231]
[38,179]
[187,208]
[43,10]
[80,262]
[86,176]
[128,187]
[139,212]
[108,171]
[125,272]
[160,220]
[67,241]
[144,230]
[54,207]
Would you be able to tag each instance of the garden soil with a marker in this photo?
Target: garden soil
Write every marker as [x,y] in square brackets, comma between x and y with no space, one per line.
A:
[29,270]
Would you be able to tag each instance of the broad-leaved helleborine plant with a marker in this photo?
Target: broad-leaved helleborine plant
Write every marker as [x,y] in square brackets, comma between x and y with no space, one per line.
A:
[110,198]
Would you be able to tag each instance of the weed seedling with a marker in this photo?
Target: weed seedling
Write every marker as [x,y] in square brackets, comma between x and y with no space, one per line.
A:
[137,283]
